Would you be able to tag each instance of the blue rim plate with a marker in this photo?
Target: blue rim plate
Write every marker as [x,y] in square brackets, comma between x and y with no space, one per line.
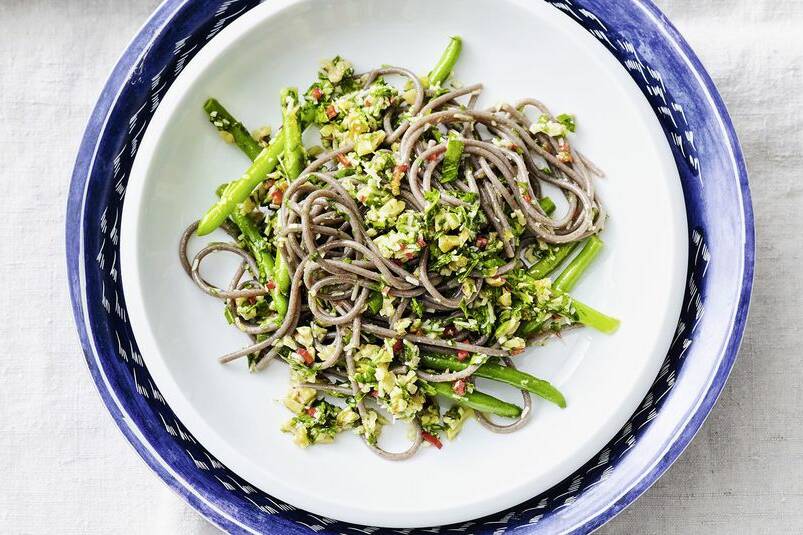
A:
[720,270]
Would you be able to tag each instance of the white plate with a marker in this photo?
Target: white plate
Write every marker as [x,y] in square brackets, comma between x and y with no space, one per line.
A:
[517,49]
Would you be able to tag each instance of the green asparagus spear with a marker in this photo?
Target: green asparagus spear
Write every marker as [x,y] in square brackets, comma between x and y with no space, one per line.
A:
[594,318]
[255,240]
[282,273]
[547,205]
[503,374]
[257,244]
[224,122]
[293,161]
[547,265]
[293,155]
[239,190]
[477,401]
[571,274]
[447,62]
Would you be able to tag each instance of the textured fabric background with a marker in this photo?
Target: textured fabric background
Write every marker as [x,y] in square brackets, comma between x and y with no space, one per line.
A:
[64,466]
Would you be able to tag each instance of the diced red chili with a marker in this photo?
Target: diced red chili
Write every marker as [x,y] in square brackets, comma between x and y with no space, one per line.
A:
[374,394]
[271,285]
[316,93]
[482,242]
[434,156]
[462,355]
[343,160]
[459,387]
[331,112]
[527,197]
[421,242]
[311,411]
[516,351]
[450,331]
[306,355]
[432,439]
[277,196]
[398,345]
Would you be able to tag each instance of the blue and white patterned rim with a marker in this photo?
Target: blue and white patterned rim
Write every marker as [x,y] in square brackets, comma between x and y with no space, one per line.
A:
[721,258]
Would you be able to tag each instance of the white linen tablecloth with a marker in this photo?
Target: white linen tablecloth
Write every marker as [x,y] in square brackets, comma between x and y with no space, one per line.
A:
[64,466]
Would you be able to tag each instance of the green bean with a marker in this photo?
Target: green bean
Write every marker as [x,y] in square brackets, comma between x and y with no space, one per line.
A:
[238,190]
[224,122]
[446,64]
[571,274]
[477,401]
[503,374]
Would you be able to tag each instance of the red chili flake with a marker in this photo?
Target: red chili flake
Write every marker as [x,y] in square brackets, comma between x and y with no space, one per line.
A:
[401,169]
[343,160]
[432,439]
[462,355]
[450,331]
[398,345]
[277,196]
[409,256]
[311,411]
[516,351]
[527,197]
[252,300]
[402,247]
[308,360]
[482,242]
[271,285]
[316,94]
[434,156]
[459,387]
[421,242]
[331,112]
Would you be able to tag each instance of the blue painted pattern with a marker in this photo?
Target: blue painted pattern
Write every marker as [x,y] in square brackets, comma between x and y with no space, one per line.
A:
[158,56]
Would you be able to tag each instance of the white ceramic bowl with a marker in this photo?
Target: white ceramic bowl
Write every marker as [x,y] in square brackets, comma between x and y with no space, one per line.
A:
[517,49]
